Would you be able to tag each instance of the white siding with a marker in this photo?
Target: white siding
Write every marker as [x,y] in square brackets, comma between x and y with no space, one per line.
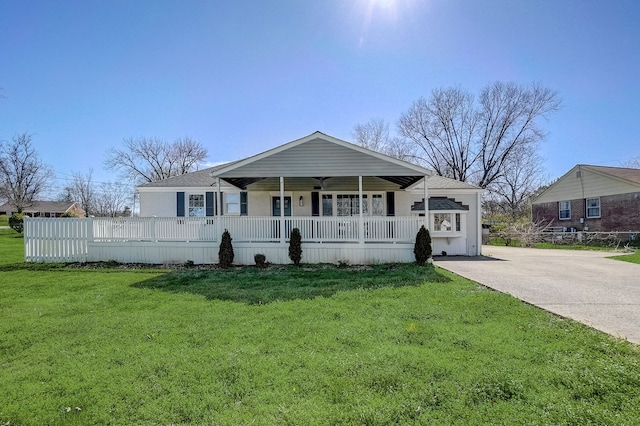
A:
[582,182]
[161,204]
[319,158]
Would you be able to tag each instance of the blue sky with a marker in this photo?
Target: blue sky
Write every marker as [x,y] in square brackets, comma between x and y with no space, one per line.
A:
[244,76]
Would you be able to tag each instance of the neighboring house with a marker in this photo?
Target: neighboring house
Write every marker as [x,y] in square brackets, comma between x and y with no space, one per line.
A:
[592,198]
[45,209]
[317,184]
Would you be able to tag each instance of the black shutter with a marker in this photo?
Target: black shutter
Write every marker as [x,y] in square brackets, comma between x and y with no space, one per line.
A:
[315,204]
[221,203]
[391,204]
[180,204]
[209,203]
[243,204]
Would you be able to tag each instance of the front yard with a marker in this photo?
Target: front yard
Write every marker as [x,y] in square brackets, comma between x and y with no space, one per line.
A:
[323,345]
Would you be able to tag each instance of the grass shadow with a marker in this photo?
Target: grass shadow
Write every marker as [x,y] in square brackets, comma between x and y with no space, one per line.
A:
[255,286]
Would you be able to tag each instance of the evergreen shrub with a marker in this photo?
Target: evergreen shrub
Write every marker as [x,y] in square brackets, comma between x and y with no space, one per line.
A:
[422,247]
[225,254]
[295,246]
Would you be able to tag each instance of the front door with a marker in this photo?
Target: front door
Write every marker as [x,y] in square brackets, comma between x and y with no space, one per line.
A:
[275,207]
[275,203]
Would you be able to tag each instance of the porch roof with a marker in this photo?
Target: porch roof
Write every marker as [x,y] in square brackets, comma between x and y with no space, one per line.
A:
[319,156]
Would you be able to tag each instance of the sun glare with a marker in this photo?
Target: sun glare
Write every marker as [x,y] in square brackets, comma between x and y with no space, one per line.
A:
[383,11]
[385,4]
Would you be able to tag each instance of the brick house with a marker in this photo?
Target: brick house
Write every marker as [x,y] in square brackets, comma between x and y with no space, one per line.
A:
[592,198]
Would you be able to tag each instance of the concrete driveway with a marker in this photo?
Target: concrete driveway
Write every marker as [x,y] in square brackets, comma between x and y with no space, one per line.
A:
[582,285]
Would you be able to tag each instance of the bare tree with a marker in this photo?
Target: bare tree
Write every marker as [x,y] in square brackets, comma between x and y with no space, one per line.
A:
[520,179]
[508,117]
[374,135]
[149,160]
[83,191]
[443,128]
[632,163]
[23,176]
[473,142]
[111,199]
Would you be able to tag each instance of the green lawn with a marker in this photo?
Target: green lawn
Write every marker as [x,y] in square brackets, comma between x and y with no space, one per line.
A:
[386,345]
[633,258]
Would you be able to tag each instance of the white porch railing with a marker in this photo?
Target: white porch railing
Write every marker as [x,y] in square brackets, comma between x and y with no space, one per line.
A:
[65,239]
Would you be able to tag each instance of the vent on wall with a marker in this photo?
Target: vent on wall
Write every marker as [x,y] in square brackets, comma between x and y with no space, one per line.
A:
[579,174]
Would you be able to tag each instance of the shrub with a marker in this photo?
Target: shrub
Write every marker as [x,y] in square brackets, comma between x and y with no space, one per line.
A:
[69,214]
[225,254]
[261,260]
[422,248]
[295,246]
[16,222]
[4,218]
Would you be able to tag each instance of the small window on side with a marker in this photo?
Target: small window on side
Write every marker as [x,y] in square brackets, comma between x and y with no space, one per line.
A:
[564,208]
[593,207]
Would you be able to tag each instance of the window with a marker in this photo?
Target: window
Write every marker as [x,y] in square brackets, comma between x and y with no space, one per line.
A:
[232,203]
[196,204]
[442,222]
[327,205]
[458,225]
[593,207]
[565,209]
[377,205]
[349,204]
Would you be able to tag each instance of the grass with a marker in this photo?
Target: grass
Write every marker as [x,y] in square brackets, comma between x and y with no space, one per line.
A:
[393,344]
[633,258]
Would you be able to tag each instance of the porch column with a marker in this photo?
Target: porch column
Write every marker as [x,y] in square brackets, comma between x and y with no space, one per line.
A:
[218,211]
[479,224]
[282,233]
[361,221]
[426,203]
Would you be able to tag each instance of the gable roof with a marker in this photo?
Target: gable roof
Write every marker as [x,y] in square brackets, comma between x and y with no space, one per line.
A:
[584,181]
[198,178]
[441,182]
[631,175]
[317,155]
[42,206]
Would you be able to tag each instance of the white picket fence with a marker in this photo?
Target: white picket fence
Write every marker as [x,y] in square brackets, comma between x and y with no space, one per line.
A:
[69,239]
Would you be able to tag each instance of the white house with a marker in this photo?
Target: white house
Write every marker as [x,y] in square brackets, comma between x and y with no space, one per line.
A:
[317,184]
[349,203]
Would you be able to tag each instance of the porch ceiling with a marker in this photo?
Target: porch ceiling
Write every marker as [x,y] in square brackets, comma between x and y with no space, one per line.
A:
[402,181]
[242,183]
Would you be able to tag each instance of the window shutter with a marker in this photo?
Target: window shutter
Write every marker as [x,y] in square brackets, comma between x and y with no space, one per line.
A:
[208,202]
[315,204]
[243,204]
[391,204]
[221,203]
[180,204]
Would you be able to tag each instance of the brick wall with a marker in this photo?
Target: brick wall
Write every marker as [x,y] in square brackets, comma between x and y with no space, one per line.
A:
[617,213]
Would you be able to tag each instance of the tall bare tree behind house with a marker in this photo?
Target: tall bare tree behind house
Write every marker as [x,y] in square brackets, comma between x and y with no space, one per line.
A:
[144,160]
